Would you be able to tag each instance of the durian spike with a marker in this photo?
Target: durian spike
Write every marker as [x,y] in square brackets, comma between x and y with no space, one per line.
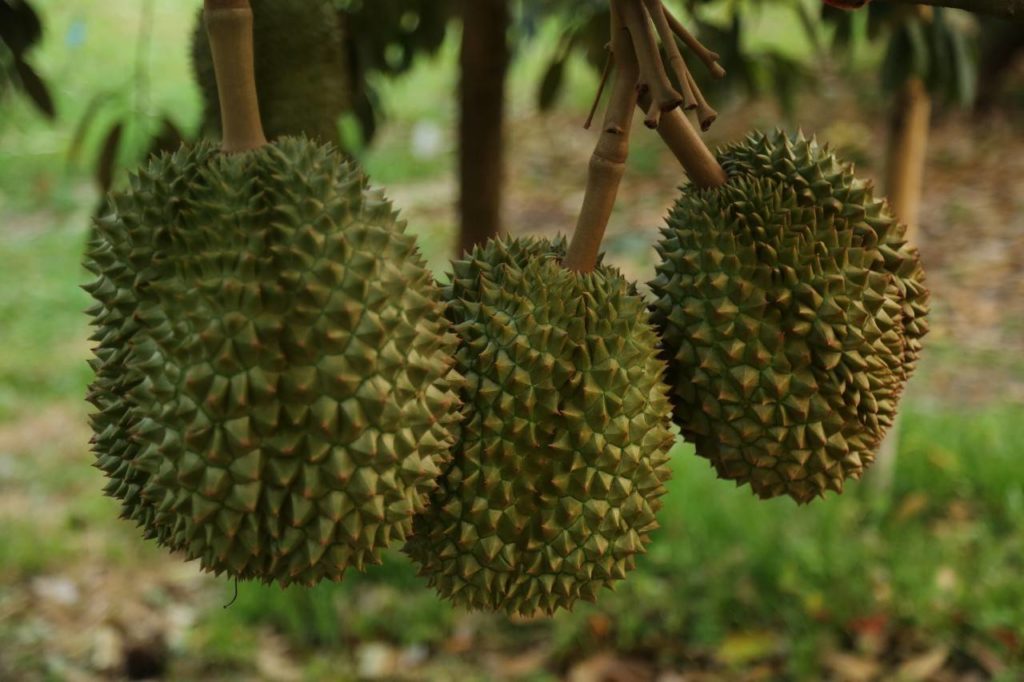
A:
[608,162]
[652,69]
[229,26]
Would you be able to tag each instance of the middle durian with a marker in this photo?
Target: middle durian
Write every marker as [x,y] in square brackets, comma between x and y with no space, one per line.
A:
[555,479]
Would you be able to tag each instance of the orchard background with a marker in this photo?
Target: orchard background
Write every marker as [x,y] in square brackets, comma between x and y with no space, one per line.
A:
[916,579]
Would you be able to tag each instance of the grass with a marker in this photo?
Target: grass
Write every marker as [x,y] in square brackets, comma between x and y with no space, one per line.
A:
[744,581]
[726,569]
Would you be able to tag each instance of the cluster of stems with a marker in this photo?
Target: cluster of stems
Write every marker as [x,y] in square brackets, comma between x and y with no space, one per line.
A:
[641,79]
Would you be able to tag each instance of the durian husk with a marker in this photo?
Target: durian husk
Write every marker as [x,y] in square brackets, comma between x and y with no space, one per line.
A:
[792,310]
[563,453]
[273,385]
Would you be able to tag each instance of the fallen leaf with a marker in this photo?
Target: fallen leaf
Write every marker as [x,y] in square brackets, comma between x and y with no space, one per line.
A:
[745,647]
[851,668]
[376,661]
[925,666]
[609,668]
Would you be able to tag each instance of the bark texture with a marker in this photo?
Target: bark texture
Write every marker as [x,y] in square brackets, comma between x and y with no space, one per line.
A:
[484,64]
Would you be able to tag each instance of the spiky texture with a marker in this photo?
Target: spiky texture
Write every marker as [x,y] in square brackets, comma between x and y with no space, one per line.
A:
[302,71]
[792,311]
[562,457]
[273,368]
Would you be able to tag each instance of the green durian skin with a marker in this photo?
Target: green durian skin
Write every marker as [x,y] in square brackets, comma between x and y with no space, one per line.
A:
[301,67]
[273,364]
[563,450]
[791,310]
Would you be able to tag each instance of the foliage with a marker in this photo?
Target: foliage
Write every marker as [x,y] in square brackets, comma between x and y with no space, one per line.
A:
[20,31]
[385,38]
[734,29]
[934,44]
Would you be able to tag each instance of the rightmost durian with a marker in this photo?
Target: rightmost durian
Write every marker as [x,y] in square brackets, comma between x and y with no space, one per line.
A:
[792,311]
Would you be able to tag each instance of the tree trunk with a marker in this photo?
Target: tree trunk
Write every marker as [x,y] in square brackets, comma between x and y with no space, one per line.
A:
[484,64]
[908,146]
[1000,8]
[1002,44]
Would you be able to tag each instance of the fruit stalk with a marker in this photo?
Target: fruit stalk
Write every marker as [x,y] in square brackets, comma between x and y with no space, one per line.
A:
[653,75]
[608,162]
[686,144]
[673,126]
[229,26]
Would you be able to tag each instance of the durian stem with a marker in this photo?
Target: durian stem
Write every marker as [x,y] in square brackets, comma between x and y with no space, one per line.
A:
[608,162]
[673,126]
[705,113]
[688,147]
[229,27]
[652,70]
[675,58]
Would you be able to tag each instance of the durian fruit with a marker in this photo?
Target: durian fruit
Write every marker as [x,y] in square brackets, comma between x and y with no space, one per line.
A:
[792,311]
[273,366]
[302,69]
[562,454]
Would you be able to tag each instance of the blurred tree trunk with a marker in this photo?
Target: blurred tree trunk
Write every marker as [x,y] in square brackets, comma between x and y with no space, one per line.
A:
[484,64]
[1002,44]
[908,148]
[1001,8]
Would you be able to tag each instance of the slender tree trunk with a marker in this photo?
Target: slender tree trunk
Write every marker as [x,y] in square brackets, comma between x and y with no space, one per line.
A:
[1002,44]
[908,146]
[484,64]
[999,8]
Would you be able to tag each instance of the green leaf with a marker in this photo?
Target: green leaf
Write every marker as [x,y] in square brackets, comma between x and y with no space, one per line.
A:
[108,157]
[35,88]
[551,86]
[20,27]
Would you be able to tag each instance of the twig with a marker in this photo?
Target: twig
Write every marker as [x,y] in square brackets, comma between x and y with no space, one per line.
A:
[608,162]
[709,58]
[608,63]
[652,71]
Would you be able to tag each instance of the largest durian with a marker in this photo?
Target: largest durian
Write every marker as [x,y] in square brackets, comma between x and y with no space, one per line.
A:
[792,311]
[273,368]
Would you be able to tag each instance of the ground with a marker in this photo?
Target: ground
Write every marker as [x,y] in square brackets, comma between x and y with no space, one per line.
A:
[921,582]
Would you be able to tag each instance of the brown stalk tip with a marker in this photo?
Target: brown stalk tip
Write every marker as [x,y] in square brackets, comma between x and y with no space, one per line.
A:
[673,103]
[653,119]
[707,116]
[717,72]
